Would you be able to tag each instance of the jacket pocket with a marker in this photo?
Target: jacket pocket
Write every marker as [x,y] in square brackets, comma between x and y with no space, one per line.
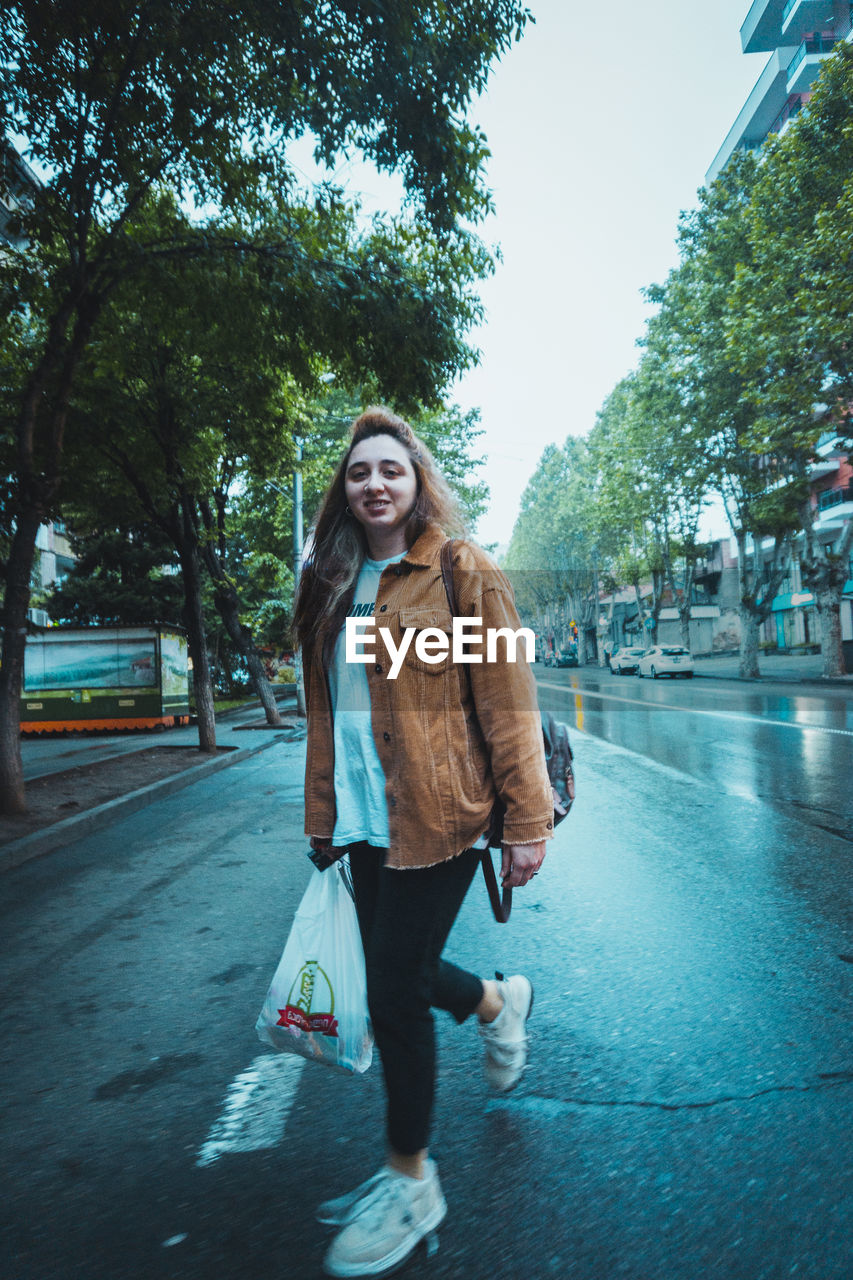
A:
[432,634]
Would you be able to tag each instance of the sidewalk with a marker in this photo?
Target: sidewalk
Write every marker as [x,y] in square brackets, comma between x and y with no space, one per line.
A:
[784,667]
[45,755]
[236,740]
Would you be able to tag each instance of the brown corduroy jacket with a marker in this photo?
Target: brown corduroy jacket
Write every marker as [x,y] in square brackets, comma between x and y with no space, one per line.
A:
[450,736]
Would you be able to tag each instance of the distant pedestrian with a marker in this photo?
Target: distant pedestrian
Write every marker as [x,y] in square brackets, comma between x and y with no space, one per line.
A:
[402,773]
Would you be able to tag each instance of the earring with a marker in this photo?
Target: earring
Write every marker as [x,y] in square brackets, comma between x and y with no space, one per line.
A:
[348,512]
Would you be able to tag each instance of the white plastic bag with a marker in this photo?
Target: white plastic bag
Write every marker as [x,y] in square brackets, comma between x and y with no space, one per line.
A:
[317,1002]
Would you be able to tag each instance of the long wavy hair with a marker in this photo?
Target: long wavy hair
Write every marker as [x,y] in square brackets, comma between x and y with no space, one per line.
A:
[339,545]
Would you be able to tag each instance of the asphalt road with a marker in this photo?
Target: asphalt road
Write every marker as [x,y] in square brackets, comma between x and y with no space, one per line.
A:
[686,1113]
[787,746]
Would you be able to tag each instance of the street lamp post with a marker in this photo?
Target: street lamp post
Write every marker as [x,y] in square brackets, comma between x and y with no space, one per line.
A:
[298,530]
[298,547]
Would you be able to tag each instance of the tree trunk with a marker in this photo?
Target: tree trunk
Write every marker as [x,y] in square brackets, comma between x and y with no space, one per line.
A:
[228,606]
[228,603]
[749,626]
[197,642]
[749,622]
[684,618]
[828,606]
[824,574]
[657,603]
[641,613]
[15,605]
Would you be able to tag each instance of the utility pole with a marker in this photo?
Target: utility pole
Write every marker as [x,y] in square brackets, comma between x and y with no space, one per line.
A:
[298,544]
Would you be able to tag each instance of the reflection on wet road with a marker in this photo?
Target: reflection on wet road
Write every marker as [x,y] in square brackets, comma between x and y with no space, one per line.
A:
[785,748]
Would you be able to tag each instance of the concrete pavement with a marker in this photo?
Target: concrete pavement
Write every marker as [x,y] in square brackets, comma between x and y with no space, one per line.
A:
[790,668]
[53,754]
[240,733]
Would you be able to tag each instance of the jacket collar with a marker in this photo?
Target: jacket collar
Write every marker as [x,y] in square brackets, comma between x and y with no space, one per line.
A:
[428,546]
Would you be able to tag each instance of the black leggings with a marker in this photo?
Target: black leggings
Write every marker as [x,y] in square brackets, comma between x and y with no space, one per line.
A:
[405,918]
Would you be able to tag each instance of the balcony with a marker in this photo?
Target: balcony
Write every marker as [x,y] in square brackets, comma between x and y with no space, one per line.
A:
[801,16]
[760,30]
[834,507]
[789,112]
[759,111]
[804,66]
[770,23]
[835,497]
[822,467]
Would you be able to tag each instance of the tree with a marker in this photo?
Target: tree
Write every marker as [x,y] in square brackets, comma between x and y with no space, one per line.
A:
[121,576]
[115,100]
[626,508]
[673,470]
[553,552]
[168,402]
[789,320]
[188,404]
[759,499]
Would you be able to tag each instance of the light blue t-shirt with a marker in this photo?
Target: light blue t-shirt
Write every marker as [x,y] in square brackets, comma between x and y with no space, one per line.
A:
[362,811]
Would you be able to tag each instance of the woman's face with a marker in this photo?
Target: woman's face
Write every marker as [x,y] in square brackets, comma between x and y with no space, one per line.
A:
[381,488]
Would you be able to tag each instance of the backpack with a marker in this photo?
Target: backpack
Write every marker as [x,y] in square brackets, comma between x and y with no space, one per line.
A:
[558,761]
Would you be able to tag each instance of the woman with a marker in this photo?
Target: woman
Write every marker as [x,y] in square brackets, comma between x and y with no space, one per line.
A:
[405,759]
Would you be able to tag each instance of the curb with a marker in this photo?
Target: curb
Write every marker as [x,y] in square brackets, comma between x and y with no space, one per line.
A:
[16,852]
[820,682]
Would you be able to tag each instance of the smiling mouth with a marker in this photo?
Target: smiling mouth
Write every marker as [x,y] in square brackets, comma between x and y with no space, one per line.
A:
[375,505]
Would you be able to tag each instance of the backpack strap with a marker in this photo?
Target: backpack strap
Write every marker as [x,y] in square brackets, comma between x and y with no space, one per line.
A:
[501,902]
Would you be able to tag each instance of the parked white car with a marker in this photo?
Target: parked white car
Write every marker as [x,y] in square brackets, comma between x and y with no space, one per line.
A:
[625,659]
[666,660]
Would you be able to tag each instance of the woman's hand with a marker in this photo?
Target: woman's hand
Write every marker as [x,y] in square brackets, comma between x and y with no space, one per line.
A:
[520,862]
[320,844]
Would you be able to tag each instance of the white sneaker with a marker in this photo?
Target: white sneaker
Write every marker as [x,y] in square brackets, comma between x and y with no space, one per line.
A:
[506,1036]
[334,1213]
[387,1225]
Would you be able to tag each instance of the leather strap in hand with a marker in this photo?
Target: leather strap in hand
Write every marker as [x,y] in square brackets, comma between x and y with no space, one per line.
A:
[501,901]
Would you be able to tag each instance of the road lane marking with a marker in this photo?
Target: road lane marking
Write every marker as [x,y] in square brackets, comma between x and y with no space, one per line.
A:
[255,1109]
[576,692]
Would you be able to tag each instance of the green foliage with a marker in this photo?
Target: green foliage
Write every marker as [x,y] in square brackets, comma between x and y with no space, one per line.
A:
[789,315]
[114,98]
[189,403]
[555,547]
[119,101]
[121,577]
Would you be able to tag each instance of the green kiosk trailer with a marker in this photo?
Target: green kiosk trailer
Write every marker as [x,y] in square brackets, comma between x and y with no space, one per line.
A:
[105,678]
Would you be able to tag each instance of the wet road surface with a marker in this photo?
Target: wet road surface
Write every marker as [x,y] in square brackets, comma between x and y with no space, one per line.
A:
[686,1112]
[789,747]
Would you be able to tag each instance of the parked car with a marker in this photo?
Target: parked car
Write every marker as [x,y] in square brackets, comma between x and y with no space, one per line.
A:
[625,659]
[666,660]
[566,658]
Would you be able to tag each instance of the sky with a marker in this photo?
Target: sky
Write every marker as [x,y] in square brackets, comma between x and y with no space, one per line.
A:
[602,123]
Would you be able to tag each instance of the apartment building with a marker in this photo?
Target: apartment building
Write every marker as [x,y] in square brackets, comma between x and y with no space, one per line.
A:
[798,35]
[17,181]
